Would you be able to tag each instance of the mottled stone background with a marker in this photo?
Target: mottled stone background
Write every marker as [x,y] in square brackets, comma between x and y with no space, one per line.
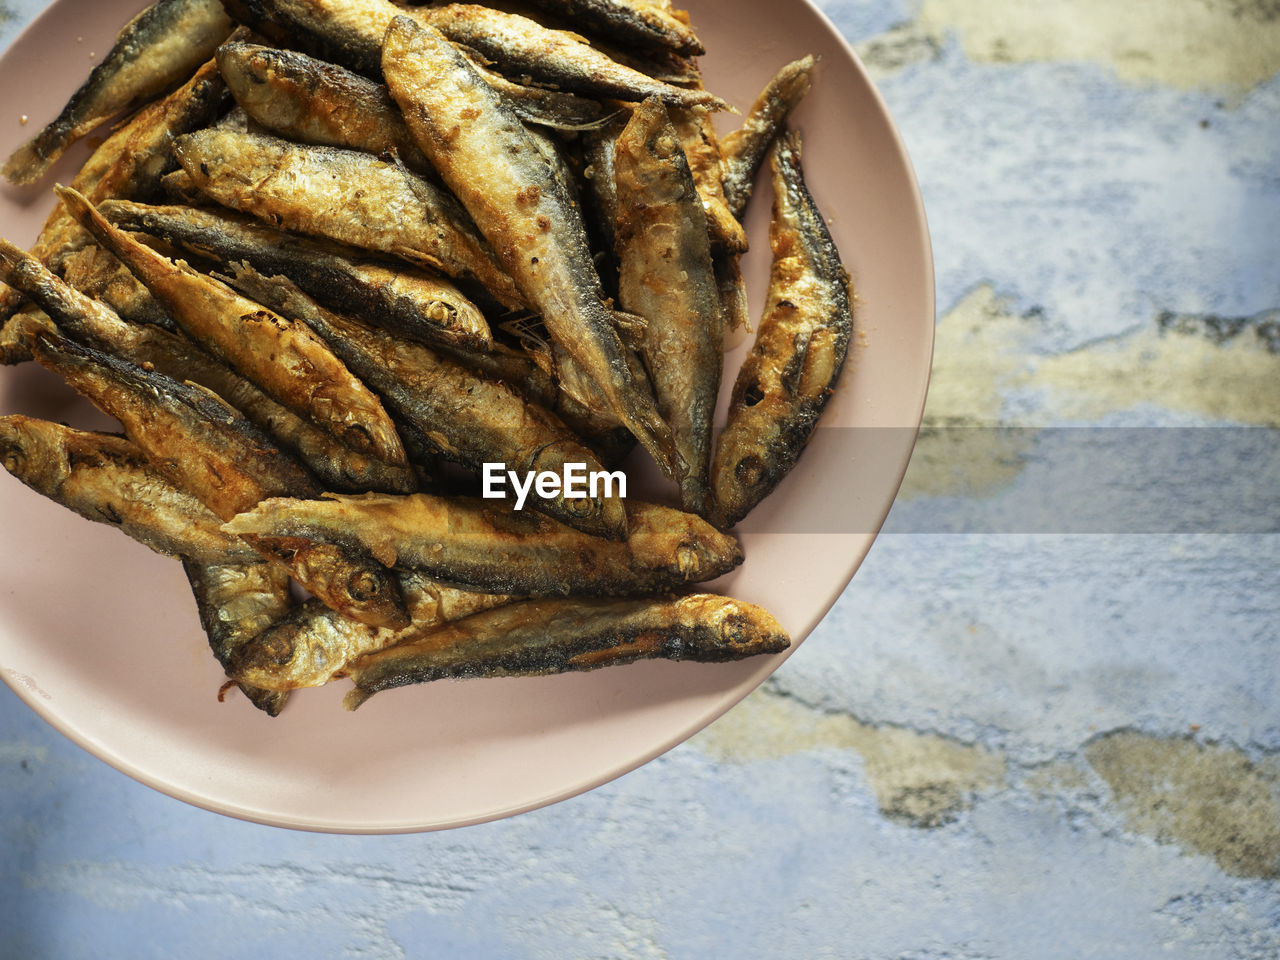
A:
[1006,741]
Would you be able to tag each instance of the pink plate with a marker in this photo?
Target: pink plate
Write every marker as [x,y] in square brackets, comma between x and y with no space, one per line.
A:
[100,637]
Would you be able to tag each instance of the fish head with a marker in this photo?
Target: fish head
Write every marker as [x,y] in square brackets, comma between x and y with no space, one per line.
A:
[733,628]
[26,453]
[744,482]
[589,509]
[705,556]
[343,576]
[283,657]
[682,545]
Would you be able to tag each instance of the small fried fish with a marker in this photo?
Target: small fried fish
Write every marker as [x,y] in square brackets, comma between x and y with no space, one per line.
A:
[344,195]
[745,148]
[628,22]
[665,274]
[282,357]
[310,101]
[542,106]
[522,47]
[192,437]
[338,466]
[314,644]
[236,603]
[465,418]
[702,149]
[107,479]
[351,32]
[129,163]
[156,51]
[413,303]
[800,348]
[484,154]
[540,637]
[488,546]
[204,446]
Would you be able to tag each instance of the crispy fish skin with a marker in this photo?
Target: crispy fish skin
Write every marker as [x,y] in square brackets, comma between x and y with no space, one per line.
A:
[236,603]
[204,446]
[351,32]
[344,195]
[486,545]
[130,162]
[540,637]
[107,479]
[195,439]
[629,23]
[314,644]
[284,358]
[466,418]
[745,148]
[16,334]
[154,52]
[702,148]
[338,467]
[310,101]
[665,274]
[800,348]
[523,47]
[100,276]
[411,302]
[539,105]
[485,156]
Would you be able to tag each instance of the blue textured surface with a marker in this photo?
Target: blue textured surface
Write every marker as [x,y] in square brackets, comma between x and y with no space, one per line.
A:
[956,764]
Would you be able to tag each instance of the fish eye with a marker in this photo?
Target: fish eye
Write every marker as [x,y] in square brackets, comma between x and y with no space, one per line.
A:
[733,627]
[357,438]
[688,559]
[364,586]
[749,471]
[14,460]
[277,648]
[440,312]
[581,507]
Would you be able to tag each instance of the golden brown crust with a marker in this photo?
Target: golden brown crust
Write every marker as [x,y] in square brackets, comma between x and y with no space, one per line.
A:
[538,637]
[282,357]
[487,545]
[665,275]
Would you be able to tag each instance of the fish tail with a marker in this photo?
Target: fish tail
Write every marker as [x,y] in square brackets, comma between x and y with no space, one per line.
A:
[28,162]
[655,436]
[79,207]
[355,697]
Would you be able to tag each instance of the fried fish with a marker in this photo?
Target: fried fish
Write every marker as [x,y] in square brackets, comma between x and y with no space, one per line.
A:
[484,154]
[540,637]
[799,351]
[487,545]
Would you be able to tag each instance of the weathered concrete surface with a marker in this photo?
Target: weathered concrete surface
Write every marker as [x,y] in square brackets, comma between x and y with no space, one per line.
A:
[1208,798]
[1192,44]
[1005,742]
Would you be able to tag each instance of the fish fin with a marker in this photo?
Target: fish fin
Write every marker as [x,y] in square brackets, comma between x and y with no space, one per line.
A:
[630,327]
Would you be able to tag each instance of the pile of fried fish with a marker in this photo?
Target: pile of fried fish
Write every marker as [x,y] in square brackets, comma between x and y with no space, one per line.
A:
[343,252]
